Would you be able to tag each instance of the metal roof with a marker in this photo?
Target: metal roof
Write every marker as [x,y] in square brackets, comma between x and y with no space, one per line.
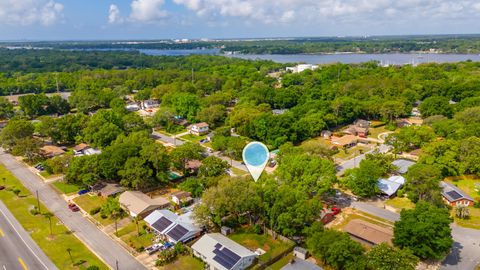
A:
[452,193]
[403,165]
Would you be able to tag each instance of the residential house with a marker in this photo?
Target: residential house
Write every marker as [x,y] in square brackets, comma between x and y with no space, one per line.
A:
[181,197]
[172,227]
[403,165]
[107,189]
[139,204]
[85,149]
[391,185]
[50,151]
[199,128]
[455,196]
[299,264]
[301,67]
[221,253]
[345,141]
[368,233]
[150,104]
[359,128]
[132,107]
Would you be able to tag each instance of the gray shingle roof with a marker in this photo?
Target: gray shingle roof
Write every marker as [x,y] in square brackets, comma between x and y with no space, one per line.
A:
[452,193]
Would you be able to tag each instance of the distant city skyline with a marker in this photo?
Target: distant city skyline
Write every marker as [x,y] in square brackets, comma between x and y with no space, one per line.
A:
[173,19]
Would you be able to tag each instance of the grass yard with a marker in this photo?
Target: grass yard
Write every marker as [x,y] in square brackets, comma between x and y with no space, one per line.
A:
[54,245]
[400,203]
[184,262]
[238,172]
[472,222]
[352,152]
[374,132]
[66,188]
[281,263]
[129,235]
[46,175]
[252,241]
[88,202]
[193,138]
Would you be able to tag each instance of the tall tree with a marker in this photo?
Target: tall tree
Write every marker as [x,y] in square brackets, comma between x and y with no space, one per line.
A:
[385,257]
[425,230]
[423,183]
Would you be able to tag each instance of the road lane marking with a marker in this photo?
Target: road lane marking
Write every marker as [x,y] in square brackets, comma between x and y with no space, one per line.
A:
[1,233]
[22,263]
[23,240]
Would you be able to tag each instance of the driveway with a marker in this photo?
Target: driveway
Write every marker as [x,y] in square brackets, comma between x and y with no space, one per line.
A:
[465,254]
[103,246]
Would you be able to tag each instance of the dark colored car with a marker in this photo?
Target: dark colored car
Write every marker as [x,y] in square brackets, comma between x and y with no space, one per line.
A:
[73,207]
[2,187]
[83,191]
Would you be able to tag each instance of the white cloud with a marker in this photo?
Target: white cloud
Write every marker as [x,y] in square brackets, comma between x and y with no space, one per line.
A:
[27,12]
[147,11]
[114,14]
[269,11]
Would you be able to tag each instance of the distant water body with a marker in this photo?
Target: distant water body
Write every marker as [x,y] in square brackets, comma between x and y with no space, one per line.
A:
[346,58]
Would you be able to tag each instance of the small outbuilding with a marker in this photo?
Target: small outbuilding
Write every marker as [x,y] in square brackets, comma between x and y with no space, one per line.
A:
[300,252]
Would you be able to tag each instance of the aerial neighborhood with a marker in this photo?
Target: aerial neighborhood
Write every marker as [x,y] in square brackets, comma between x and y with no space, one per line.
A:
[368,166]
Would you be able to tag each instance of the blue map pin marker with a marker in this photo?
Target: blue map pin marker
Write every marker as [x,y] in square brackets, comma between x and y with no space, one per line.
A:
[255,155]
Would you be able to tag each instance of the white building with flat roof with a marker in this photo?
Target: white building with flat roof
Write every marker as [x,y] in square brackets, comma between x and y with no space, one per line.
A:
[301,67]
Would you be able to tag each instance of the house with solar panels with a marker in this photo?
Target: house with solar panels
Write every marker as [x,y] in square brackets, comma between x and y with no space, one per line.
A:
[172,227]
[454,196]
[221,253]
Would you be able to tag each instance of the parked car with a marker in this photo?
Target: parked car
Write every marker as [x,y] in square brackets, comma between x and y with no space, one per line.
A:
[83,191]
[336,210]
[73,207]
[153,248]
[39,167]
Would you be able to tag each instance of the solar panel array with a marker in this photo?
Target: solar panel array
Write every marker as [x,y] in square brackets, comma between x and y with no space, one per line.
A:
[225,257]
[161,224]
[454,195]
[177,232]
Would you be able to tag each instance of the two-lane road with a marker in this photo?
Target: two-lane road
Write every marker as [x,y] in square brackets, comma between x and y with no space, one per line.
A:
[112,253]
[17,249]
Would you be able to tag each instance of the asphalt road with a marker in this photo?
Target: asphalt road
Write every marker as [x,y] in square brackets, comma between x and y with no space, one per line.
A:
[18,251]
[355,162]
[102,245]
[465,253]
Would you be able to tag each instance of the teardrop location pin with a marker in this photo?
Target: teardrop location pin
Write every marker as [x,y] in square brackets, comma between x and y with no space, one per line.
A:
[255,155]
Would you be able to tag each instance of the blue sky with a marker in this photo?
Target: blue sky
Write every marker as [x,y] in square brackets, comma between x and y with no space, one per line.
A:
[155,19]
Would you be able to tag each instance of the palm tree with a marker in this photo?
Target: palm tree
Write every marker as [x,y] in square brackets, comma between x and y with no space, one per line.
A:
[49,216]
[135,219]
[69,250]
[462,211]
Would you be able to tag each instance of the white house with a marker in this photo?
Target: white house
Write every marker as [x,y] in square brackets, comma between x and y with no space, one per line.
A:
[171,227]
[301,68]
[199,129]
[221,253]
[132,107]
[151,103]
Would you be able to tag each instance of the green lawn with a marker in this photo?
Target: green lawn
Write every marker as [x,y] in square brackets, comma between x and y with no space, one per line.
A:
[66,188]
[400,203]
[352,152]
[46,175]
[54,245]
[281,263]
[252,241]
[184,262]
[129,235]
[193,138]
[238,172]
[472,222]
[88,202]
[374,132]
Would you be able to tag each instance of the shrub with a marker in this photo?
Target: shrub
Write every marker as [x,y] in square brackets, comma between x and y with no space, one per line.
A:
[34,211]
[476,204]
[95,210]
[257,229]
[93,267]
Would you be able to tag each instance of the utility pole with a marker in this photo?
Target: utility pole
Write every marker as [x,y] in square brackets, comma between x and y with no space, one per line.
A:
[116,264]
[38,201]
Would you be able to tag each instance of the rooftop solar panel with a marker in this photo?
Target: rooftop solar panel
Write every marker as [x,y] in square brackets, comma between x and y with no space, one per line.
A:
[454,195]
[225,257]
[161,224]
[177,232]
[218,245]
